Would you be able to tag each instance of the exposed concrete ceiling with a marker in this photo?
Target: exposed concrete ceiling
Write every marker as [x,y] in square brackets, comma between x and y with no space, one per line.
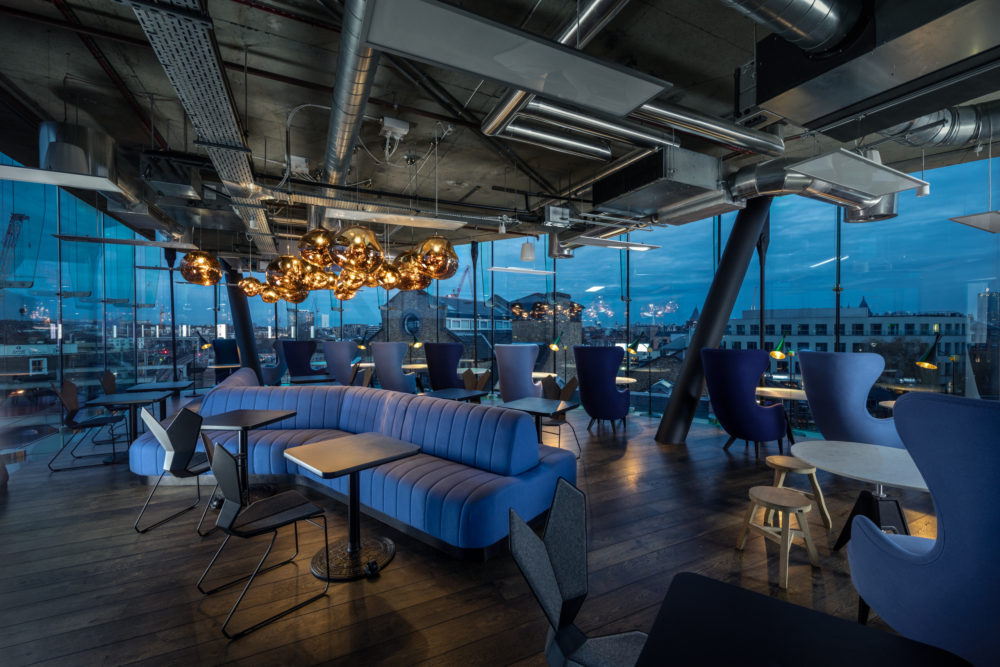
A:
[290,49]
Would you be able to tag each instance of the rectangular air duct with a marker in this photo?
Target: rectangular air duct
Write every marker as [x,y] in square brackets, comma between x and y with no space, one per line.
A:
[665,177]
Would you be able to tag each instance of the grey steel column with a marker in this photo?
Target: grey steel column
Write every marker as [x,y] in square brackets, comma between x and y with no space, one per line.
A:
[242,323]
[715,314]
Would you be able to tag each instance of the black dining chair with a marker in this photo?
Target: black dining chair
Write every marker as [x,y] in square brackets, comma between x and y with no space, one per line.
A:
[179,440]
[262,517]
[70,399]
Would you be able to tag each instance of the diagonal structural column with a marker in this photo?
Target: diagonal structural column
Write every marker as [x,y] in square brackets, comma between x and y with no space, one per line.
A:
[715,314]
[183,38]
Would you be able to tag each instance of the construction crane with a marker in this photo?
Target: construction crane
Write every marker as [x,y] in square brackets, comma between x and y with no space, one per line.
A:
[10,239]
[457,292]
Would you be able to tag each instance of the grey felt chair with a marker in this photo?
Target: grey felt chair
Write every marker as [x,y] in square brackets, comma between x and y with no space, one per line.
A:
[178,440]
[262,517]
[555,567]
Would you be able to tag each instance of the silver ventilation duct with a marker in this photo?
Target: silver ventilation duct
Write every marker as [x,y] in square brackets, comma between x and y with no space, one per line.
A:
[556,250]
[356,65]
[953,126]
[76,149]
[566,143]
[771,178]
[812,25]
[563,117]
[708,127]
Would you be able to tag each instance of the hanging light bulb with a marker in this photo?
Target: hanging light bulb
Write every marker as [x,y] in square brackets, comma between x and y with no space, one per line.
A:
[285,272]
[294,295]
[437,258]
[779,352]
[371,278]
[351,280]
[315,247]
[201,268]
[527,252]
[926,361]
[251,286]
[341,293]
[315,278]
[357,249]
[269,295]
[554,345]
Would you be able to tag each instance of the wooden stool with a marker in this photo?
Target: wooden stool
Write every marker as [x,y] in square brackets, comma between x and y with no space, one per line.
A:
[792,464]
[786,502]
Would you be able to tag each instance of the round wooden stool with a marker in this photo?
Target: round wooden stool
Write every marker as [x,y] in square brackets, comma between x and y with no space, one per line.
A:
[783,465]
[786,502]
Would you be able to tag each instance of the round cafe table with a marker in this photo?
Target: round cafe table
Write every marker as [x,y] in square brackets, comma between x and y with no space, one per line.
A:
[781,393]
[539,375]
[888,405]
[875,464]
[625,380]
[414,367]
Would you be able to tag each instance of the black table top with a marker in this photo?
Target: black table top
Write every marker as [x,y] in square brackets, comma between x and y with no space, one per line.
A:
[707,622]
[544,407]
[161,386]
[340,456]
[238,420]
[457,393]
[312,379]
[130,398]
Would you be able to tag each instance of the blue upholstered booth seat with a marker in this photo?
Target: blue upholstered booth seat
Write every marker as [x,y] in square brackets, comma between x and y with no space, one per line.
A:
[476,461]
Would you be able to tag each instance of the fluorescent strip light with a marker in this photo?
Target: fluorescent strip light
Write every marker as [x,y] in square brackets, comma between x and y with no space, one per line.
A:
[595,288]
[448,37]
[827,261]
[855,172]
[401,219]
[63,179]
[517,269]
[608,243]
[988,221]
[144,243]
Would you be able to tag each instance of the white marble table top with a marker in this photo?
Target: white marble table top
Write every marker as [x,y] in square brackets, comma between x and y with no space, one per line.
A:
[782,393]
[889,405]
[868,463]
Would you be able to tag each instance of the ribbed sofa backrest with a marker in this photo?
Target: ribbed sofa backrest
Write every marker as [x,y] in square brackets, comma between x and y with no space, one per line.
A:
[315,407]
[367,410]
[501,441]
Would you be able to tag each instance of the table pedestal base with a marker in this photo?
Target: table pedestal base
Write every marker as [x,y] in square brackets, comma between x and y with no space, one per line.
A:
[349,567]
[874,507]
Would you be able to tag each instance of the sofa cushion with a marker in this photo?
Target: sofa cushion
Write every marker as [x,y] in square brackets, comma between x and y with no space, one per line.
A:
[495,439]
[368,410]
[461,505]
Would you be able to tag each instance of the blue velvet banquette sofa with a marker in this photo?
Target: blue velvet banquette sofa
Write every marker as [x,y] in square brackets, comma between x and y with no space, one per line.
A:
[476,462]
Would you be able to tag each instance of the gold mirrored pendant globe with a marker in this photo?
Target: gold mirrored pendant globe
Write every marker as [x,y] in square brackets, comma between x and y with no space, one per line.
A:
[357,249]
[251,286]
[285,272]
[201,268]
[371,278]
[411,277]
[388,276]
[294,295]
[341,293]
[438,258]
[269,295]
[350,280]
[315,247]
[315,278]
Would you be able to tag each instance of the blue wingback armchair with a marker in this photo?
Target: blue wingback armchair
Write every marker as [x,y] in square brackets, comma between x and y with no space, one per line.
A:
[596,369]
[944,591]
[442,364]
[298,354]
[340,356]
[514,366]
[388,359]
[271,375]
[732,377]
[837,386]
[227,352]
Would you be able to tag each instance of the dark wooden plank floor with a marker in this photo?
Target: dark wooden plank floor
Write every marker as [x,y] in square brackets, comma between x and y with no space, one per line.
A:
[78,586]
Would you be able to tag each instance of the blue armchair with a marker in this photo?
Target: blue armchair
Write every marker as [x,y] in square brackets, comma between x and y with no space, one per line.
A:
[942,592]
[596,369]
[515,364]
[227,358]
[837,386]
[271,375]
[442,364]
[732,377]
[340,356]
[298,355]
[388,366]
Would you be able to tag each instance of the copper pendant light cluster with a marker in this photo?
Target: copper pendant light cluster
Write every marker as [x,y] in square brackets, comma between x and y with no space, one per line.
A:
[362,263]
